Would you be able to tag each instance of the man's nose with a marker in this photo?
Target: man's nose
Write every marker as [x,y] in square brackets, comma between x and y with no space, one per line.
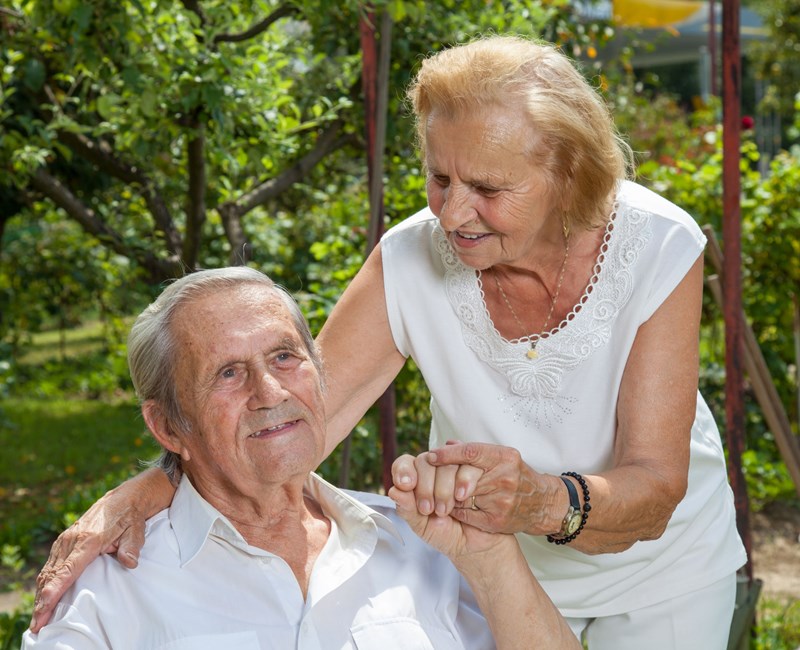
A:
[266,391]
[458,208]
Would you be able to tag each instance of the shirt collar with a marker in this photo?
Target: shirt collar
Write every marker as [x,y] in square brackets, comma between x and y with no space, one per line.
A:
[344,508]
[194,519]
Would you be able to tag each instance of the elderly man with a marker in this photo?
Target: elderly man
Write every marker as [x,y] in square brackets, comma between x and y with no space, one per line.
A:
[256,551]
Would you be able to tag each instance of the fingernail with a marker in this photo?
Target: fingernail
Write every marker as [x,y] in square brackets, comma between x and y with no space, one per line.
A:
[405,479]
[460,494]
[131,555]
[441,509]
[432,456]
[424,507]
[33,623]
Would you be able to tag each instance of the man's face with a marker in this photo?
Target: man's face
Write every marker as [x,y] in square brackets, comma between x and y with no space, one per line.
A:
[251,392]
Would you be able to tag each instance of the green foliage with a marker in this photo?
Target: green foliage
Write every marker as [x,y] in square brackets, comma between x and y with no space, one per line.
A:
[101,374]
[777,625]
[691,176]
[11,557]
[777,61]
[13,625]
[767,479]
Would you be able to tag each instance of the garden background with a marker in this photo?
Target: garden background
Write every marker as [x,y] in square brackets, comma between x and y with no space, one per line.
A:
[139,138]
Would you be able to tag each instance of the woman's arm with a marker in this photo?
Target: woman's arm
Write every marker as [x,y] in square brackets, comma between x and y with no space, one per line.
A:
[518,611]
[114,524]
[358,351]
[635,499]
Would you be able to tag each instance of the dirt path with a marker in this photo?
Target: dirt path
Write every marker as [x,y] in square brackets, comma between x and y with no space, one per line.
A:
[776,551]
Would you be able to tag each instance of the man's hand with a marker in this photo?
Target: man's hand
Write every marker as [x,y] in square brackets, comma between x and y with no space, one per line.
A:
[445,533]
[519,612]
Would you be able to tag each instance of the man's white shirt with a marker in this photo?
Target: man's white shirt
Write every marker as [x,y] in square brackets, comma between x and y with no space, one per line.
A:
[200,585]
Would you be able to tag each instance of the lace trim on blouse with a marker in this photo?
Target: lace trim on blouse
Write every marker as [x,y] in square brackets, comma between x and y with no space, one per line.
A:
[586,328]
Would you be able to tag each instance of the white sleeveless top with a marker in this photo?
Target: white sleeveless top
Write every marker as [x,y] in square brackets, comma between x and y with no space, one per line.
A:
[559,410]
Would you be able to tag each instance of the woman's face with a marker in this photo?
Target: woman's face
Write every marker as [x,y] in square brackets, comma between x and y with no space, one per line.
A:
[486,190]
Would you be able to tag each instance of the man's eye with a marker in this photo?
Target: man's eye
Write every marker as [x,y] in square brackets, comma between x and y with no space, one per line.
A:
[229,373]
[288,360]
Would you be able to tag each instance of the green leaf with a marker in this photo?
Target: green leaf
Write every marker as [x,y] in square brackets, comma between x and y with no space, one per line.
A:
[34,74]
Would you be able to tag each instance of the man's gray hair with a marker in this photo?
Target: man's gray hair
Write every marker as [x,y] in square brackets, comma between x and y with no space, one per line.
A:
[152,348]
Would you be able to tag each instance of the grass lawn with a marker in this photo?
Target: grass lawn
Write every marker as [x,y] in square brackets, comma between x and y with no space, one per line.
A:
[67,343]
[52,448]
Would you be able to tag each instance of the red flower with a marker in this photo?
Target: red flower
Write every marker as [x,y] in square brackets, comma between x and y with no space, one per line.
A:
[748,122]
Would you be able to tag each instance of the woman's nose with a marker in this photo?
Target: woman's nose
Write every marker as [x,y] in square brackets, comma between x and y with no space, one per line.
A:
[457,209]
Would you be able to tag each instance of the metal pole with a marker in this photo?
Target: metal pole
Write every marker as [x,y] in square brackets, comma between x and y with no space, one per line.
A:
[732,289]
[712,46]
[375,82]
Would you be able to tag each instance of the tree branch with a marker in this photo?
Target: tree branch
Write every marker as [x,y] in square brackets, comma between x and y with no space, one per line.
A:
[231,212]
[260,27]
[53,189]
[194,7]
[329,140]
[196,207]
[102,157]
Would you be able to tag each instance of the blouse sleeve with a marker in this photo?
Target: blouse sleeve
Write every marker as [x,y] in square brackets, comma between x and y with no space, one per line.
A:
[677,245]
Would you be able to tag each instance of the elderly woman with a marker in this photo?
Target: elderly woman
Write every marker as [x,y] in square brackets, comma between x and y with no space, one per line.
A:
[553,308]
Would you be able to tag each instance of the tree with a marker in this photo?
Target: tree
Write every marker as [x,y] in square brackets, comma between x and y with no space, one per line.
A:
[140,119]
[162,126]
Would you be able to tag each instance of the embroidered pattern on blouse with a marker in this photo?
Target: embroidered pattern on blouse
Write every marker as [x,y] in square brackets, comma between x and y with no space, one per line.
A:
[585,329]
[540,414]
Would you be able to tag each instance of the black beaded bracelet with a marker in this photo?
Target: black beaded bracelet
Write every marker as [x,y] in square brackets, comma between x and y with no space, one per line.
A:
[584,516]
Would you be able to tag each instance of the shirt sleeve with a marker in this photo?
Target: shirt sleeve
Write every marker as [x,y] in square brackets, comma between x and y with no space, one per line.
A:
[71,628]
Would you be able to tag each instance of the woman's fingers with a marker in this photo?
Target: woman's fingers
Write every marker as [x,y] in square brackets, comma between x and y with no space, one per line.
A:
[81,543]
[130,543]
[467,478]
[69,556]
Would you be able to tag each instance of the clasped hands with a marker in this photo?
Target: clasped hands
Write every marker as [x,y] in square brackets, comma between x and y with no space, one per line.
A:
[483,487]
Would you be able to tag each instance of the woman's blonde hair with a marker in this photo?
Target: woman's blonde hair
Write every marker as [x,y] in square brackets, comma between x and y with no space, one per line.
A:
[576,143]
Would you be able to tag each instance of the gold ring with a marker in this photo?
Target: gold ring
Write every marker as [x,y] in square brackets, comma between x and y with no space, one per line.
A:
[472,504]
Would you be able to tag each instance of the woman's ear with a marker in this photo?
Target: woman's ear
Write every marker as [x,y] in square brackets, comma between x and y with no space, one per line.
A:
[156,421]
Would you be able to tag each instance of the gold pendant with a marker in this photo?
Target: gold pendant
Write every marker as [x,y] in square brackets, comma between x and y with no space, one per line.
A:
[532,353]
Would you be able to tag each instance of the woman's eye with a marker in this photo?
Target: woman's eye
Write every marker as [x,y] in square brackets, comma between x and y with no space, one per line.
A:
[487,191]
[441,181]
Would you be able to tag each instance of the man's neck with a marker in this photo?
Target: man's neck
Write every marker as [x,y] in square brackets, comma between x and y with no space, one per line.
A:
[282,521]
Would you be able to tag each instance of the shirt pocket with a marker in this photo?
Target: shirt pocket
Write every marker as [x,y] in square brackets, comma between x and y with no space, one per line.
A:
[238,640]
[399,633]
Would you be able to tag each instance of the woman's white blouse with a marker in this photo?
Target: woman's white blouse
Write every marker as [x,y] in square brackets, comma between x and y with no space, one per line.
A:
[559,409]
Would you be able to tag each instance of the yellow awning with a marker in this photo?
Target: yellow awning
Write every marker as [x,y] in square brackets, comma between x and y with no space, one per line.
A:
[653,13]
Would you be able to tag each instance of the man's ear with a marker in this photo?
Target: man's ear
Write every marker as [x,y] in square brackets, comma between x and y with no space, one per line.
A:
[156,421]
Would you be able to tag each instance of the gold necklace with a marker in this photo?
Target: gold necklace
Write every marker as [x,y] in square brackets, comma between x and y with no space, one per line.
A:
[532,353]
